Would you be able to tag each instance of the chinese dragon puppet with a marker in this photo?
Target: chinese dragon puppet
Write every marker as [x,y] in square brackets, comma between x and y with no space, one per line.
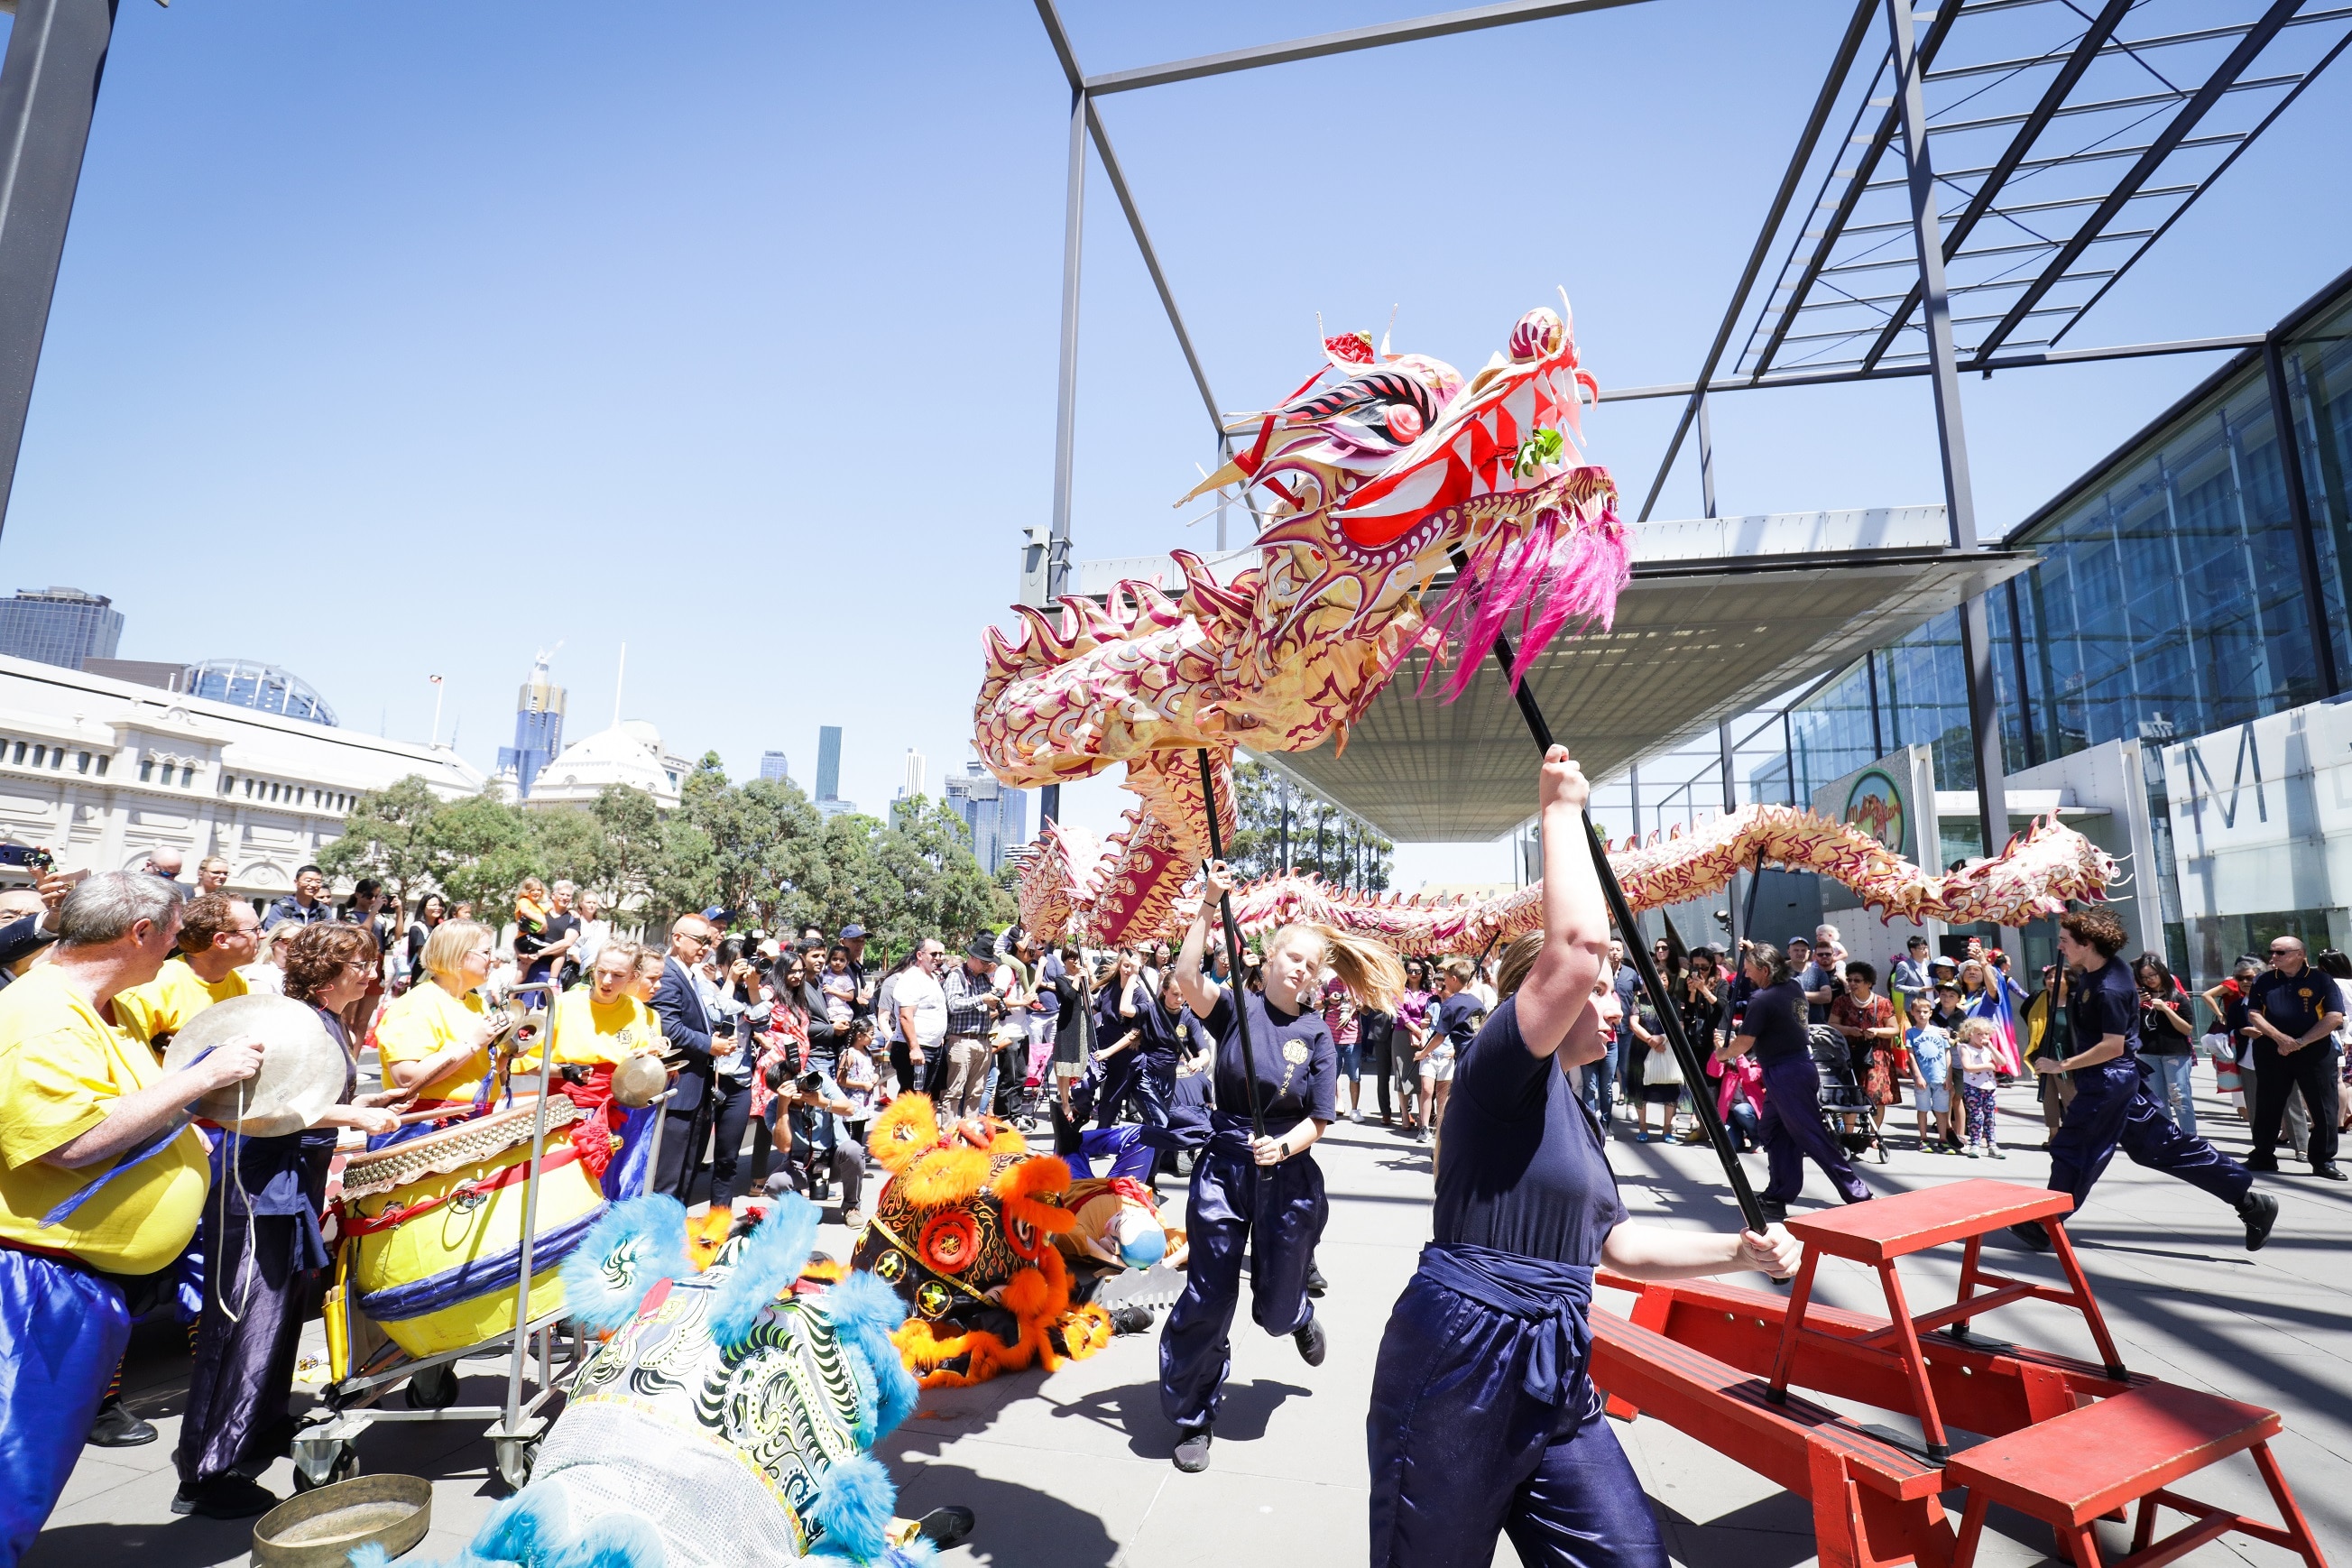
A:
[965,1232]
[1377,471]
[726,1419]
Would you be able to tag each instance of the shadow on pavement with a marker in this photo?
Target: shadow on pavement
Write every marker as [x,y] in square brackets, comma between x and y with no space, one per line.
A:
[1017,1524]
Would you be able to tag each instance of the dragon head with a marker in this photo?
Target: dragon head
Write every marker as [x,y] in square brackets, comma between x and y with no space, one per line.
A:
[1382,465]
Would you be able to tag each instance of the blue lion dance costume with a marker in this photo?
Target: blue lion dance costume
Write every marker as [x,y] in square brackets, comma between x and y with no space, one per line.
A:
[727,1420]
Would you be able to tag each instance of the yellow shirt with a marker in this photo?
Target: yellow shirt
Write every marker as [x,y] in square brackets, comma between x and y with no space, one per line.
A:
[161,1008]
[427,1020]
[60,1068]
[590,1033]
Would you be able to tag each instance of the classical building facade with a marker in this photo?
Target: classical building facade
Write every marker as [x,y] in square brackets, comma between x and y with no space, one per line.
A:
[102,773]
[628,753]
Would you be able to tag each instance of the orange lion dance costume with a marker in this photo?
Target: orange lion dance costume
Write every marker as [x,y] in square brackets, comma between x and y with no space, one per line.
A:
[963,1230]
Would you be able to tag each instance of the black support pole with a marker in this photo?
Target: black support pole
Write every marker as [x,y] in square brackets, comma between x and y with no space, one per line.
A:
[49,91]
[1620,910]
[1232,951]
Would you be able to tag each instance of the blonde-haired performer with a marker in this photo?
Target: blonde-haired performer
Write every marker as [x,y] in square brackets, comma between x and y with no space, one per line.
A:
[1483,1418]
[1258,1197]
[435,1041]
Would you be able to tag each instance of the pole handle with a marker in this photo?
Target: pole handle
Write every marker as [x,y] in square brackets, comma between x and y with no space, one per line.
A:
[1233,949]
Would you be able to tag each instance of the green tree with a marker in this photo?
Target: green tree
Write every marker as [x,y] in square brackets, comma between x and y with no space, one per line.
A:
[631,856]
[482,851]
[388,836]
[1324,839]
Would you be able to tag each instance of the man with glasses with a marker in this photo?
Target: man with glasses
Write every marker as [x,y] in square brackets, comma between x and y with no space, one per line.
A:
[695,1040]
[973,1006]
[2295,1011]
[922,1009]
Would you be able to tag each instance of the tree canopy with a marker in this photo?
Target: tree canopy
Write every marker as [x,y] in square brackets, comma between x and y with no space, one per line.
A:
[1323,839]
[759,848]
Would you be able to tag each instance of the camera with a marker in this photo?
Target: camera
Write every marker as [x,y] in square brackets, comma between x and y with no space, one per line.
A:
[26,854]
[809,1082]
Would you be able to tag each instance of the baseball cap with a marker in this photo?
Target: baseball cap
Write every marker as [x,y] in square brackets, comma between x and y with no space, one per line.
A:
[851,933]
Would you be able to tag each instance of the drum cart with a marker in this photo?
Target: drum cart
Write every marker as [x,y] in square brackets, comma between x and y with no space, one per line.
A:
[325,1449]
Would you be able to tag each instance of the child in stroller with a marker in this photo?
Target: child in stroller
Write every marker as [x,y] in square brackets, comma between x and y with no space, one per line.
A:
[1843,1103]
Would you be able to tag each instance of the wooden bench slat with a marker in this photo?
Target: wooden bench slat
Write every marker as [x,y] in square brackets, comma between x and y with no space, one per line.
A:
[2077,1466]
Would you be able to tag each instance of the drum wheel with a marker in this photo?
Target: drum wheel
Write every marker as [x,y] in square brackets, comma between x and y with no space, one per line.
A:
[435,1388]
[516,1457]
[345,1466]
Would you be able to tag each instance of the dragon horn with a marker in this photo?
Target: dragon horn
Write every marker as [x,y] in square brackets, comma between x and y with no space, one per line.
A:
[1230,474]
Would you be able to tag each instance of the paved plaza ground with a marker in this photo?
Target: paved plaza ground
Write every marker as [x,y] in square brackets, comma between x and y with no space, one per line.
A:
[1070,1470]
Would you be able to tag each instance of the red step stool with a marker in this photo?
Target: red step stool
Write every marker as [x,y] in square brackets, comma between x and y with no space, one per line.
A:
[2074,1469]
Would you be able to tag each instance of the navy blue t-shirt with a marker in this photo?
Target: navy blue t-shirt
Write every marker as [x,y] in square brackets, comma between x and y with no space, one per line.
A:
[1168,1037]
[1298,1064]
[2296,1003]
[1523,1171]
[1776,1022]
[1457,1020]
[2102,1004]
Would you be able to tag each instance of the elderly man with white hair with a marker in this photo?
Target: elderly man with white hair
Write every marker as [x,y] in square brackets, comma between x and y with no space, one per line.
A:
[101,1178]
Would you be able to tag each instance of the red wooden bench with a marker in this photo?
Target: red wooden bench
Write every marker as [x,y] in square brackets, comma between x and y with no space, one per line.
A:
[1874,1503]
[2074,1469]
[1980,1386]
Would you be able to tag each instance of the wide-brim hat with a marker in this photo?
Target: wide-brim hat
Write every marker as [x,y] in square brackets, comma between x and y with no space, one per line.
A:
[983,947]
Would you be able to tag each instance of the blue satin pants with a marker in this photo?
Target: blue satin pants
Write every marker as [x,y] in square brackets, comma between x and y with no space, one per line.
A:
[1793,1132]
[1274,1215]
[2112,1109]
[62,1331]
[1461,1452]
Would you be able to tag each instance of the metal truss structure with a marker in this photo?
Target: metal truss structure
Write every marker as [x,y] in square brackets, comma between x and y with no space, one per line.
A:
[2040,148]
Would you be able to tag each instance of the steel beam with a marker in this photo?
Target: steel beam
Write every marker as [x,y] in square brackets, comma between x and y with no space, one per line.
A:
[2007,362]
[2219,169]
[1959,501]
[1065,400]
[49,91]
[2130,46]
[1857,26]
[2243,55]
[2298,501]
[2094,38]
[2103,154]
[1443,25]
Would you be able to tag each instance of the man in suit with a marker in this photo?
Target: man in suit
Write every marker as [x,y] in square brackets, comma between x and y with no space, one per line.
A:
[687,1027]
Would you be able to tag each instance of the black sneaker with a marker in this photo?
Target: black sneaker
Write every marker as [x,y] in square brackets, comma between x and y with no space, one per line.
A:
[1316,1283]
[2031,1236]
[227,1496]
[2266,1164]
[2329,1173]
[1774,1211]
[115,1427]
[2260,1211]
[1310,1341]
[945,1527]
[1193,1454]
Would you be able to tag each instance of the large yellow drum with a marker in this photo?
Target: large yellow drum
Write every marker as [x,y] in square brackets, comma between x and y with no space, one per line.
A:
[435,1229]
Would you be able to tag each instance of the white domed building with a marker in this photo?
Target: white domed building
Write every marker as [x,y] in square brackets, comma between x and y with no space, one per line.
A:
[628,753]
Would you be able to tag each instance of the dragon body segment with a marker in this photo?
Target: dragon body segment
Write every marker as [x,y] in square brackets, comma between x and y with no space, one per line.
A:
[2039,871]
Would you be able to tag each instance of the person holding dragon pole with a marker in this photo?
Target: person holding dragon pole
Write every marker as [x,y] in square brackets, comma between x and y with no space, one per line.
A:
[1259,1195]
[1483,1419]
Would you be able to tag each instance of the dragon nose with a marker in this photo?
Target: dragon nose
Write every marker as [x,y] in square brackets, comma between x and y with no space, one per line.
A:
[1540,332]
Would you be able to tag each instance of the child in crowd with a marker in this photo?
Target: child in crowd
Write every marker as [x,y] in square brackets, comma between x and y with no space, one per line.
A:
[859,1078]
[1980,1064]
[840,988]
[1930,1048]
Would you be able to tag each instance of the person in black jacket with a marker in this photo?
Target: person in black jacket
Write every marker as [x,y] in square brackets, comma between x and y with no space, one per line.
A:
[32,919]
[1074,1044]
[688,1026]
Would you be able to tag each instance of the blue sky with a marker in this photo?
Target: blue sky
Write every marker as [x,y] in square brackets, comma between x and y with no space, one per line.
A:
[402,341]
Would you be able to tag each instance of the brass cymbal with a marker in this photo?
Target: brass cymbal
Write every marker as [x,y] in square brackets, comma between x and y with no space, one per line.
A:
[302,1067]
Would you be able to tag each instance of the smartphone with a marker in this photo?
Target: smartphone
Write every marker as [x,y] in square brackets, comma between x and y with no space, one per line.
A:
[25,855]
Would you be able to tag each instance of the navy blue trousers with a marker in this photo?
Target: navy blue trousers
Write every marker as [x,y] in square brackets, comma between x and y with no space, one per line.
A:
[2112,1109]
[1480,1427]
[1794,1132]
[1272,1213]
[62,1333]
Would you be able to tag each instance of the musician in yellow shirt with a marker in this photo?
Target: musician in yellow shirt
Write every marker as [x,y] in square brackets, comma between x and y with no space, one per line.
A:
[218,935]
[435,1040]
[606,1025]
[99,1172]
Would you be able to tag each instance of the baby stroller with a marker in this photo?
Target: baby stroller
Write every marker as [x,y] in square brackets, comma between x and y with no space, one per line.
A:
[1842,1093]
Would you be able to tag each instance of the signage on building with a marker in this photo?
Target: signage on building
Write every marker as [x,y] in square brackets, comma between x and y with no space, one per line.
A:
[1875,804]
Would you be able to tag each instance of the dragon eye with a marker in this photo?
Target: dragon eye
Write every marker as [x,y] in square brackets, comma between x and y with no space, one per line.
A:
[1405,422]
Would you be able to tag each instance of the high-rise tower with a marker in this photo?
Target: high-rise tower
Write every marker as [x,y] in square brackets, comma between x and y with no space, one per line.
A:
[539,726]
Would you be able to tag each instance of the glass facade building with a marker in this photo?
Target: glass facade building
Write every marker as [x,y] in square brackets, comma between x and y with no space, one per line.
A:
[59,625]
[2196,580]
